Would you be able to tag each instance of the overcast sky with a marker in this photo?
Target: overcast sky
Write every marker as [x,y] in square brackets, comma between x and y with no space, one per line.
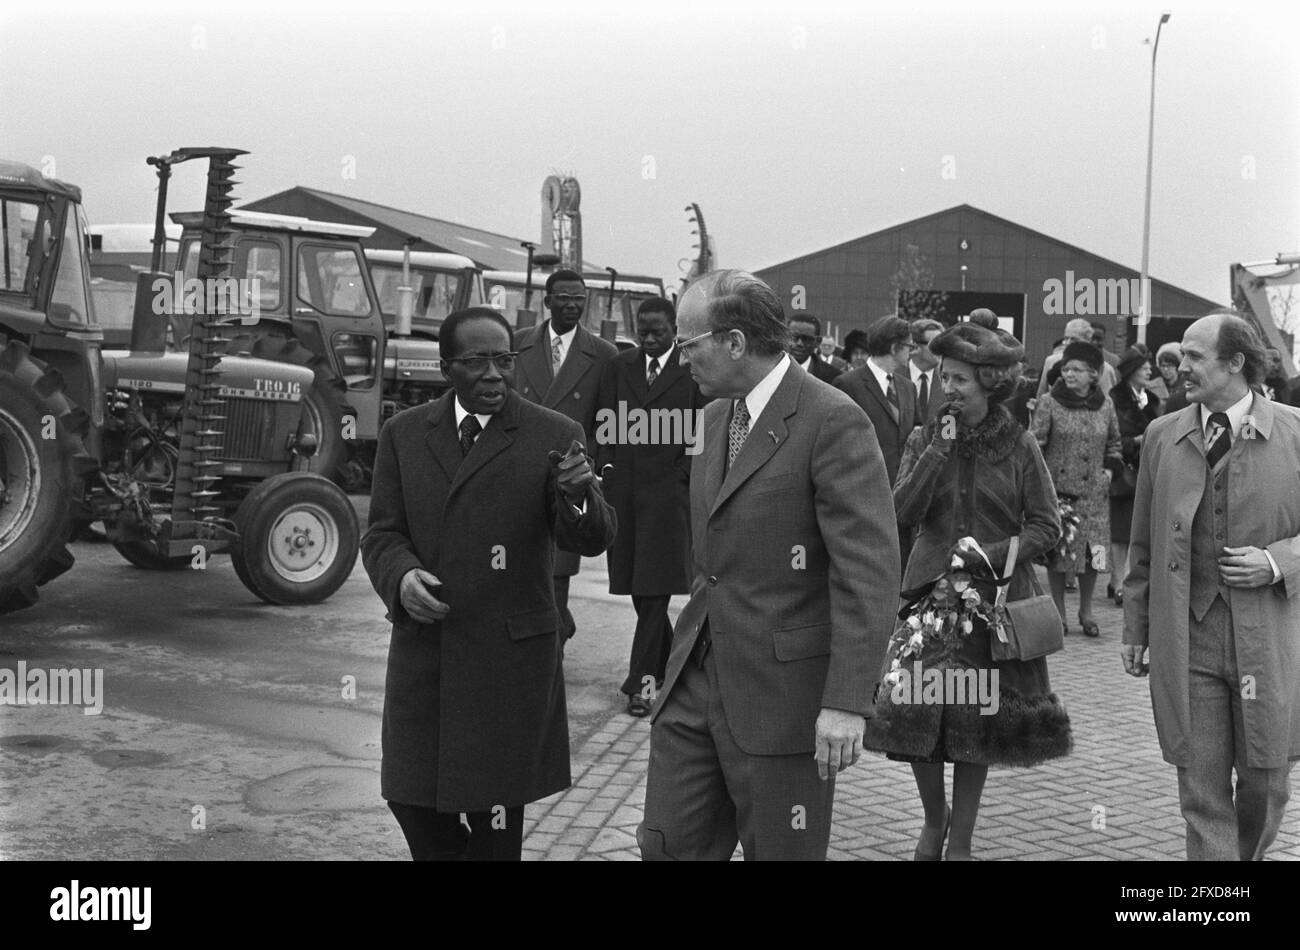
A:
[795,126]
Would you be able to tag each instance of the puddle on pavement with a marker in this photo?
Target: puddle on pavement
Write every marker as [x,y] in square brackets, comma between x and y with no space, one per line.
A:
[36,744]
[324,788]
[127,758]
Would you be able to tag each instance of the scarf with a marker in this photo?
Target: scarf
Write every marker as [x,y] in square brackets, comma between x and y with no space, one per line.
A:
[993,438]
[1062,394]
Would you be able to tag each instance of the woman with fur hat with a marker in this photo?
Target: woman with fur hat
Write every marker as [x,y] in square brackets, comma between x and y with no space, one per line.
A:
[969,481]
[1135,406]
[1076,426]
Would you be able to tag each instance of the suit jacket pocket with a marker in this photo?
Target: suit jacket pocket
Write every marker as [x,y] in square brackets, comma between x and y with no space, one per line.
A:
[532,623]
[785,482]
[800,643]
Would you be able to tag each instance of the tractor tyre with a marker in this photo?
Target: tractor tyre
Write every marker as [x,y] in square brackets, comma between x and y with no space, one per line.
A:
[41,457]
[323,408]
[298,539]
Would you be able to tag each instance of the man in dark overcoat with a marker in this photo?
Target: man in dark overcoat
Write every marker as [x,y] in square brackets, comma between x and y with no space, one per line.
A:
[648,413]
[467,505]
[559,367]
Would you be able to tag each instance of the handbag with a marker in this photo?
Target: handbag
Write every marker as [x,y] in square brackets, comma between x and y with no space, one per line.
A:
[1124,485]
[1026,629]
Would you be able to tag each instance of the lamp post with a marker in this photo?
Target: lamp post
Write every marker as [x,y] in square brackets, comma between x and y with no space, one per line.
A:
[1145,283]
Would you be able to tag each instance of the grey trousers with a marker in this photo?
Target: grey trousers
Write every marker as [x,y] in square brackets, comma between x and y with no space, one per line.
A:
[704,794]
[1220,828]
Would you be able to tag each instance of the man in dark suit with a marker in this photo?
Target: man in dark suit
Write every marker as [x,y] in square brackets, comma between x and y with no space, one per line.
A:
[794,590]
[559,367]
[883,390]
[805,339]
[924,369]
[648,413]
[465,511]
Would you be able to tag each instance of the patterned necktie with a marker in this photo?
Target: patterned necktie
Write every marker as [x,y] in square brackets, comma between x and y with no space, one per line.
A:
[890,392]
[469,428]
[557,355]
[737,431]
[1222,441]
[923,396]
[653,373]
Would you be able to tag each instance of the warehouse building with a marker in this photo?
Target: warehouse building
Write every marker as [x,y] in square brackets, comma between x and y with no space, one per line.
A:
[948,263]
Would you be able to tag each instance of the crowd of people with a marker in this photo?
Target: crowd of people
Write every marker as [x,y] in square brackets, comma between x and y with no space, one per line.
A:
[840,530]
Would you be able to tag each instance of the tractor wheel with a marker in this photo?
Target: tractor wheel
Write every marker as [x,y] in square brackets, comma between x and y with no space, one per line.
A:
[298,539]
[322,407]
[41,453]
[143,555]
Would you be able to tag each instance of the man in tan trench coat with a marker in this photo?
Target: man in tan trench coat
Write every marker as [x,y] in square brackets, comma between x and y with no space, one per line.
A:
[1212,592]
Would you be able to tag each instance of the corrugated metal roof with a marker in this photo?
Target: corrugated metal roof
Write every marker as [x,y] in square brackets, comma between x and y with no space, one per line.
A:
[490,250]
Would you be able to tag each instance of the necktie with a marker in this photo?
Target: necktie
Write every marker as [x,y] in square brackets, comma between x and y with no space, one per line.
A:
[1222,441]
[653,373]
[557,354]
[890,394]
[737,431]
[469,428]
[923,397]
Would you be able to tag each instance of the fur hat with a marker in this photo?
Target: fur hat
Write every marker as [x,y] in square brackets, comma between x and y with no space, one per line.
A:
[1169,353]
[977,345]
[1130,361]
[983,317]
[1084,353]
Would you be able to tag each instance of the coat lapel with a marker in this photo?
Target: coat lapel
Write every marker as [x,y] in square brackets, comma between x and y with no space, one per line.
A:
[535,361]
[669,373]
[636,376]
[495,439]
[766,433]
[442,438]
[873,387]
[582,353]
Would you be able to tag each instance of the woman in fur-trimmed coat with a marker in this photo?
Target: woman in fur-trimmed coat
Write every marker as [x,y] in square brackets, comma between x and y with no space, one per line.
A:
[989,483]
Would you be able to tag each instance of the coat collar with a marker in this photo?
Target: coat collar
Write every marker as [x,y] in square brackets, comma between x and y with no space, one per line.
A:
[766,433]
[443,439]
[635,365]
[1260,417]
[582,353]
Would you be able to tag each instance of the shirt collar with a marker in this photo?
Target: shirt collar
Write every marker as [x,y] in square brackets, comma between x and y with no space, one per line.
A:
[882,376]
[917,373]
[1236,413]
[806,365]
[462,412]
[758,398]
[663,360]
[565,338]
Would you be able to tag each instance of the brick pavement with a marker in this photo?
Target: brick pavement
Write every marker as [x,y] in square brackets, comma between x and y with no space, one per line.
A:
[1114,798]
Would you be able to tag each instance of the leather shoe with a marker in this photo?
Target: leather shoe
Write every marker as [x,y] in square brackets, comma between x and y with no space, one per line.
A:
[637,706]
[937,853]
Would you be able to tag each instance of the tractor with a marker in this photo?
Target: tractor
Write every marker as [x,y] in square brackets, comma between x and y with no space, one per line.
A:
[181,455]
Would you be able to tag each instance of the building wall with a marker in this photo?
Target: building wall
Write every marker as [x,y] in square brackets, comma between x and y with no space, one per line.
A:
[850,284]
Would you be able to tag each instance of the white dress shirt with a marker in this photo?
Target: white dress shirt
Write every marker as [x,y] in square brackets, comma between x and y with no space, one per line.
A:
[1236,414]
[566,341]
[758,398]
[663,360]
[882,377]
[928,374]
[462,412]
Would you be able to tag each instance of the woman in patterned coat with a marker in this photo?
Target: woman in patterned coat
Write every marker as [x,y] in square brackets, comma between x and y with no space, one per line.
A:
[1076,426]
[1135,406]
[972,471]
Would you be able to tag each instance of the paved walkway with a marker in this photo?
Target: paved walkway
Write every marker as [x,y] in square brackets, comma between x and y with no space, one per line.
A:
[1114,798]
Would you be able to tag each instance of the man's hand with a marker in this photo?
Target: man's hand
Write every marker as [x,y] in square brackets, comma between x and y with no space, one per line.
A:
[1132,656]
[417,596]
[575,473]
[1245,567]
[838,738]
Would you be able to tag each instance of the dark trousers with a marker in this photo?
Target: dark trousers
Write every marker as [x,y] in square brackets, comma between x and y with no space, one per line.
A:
[439,836]
[567,627]
[704,793]
[1221,827]
[651,643]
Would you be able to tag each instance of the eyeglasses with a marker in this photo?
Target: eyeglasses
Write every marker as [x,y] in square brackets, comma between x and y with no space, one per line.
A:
[478,365]
[683,344]
[562,299]
[806,338]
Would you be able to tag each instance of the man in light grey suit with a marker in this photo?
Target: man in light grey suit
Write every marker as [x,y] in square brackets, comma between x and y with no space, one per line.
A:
[1214,560]
[794,588]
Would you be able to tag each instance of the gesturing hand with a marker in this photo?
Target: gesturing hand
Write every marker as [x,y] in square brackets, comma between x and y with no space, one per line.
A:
[417,595]
[838,738]
[575,472]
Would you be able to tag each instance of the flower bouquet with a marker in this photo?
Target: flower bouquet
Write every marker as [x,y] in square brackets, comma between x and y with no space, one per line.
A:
[938,621]
[1070,522]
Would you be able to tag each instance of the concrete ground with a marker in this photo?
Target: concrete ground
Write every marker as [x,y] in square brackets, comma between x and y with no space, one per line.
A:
[229,732]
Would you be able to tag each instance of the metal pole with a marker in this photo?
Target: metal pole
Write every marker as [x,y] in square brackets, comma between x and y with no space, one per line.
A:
[1144,285]
[528,275]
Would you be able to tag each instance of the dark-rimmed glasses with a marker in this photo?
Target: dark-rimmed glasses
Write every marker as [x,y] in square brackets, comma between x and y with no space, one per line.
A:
[505,362]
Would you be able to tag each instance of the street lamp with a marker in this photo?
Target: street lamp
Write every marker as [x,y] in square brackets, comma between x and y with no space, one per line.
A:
[1145,283]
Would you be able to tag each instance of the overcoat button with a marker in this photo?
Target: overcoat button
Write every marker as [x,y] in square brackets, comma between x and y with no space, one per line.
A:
[1177,526]
[577,395]
[1173,565]
[713,582]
